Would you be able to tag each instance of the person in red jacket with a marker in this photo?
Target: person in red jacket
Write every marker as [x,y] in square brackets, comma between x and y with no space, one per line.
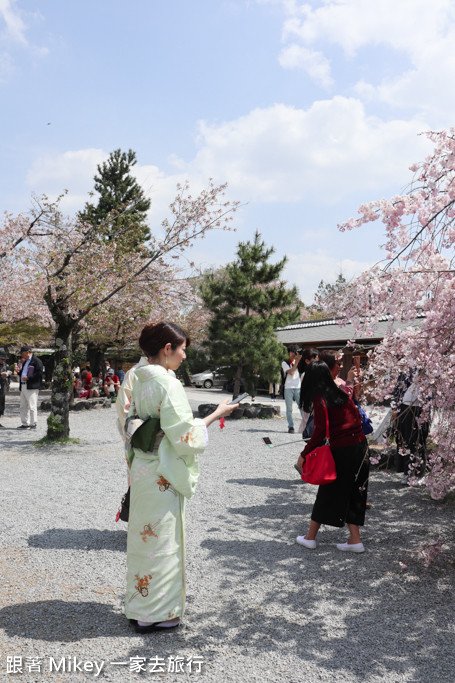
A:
[343,500]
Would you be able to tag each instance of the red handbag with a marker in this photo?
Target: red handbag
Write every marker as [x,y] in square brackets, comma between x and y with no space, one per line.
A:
[319,466]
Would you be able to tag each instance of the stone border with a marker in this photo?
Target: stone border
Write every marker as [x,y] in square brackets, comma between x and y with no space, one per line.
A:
[82,404]
[247,410]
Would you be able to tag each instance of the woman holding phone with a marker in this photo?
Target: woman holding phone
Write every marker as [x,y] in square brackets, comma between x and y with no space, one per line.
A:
[161,480]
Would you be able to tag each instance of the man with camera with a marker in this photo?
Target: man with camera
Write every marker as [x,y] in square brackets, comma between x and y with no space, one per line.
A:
[291,383]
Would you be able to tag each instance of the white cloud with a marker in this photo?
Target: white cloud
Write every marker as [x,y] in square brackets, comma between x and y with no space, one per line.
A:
[276,154]
[314,63]
[407,25]
[422,33]
[13,37]
[72,171]
[282,153]
[15,27]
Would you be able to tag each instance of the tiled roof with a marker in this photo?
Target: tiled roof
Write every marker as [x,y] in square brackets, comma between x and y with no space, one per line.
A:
[330,330]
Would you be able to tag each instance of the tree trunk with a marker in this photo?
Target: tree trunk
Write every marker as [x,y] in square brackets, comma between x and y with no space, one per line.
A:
[62,385]
[95,357]
[186,376]
[237,380]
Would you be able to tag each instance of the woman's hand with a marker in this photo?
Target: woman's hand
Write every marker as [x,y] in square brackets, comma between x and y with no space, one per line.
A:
[300,462]
[225,408]
[353,376]
[222,410]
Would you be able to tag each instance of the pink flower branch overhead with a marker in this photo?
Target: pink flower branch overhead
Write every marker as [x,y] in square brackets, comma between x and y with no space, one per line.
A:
[417,278]
[18,274]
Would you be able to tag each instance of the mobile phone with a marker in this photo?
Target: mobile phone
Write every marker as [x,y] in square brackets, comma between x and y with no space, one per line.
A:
[267,440]
[238,398]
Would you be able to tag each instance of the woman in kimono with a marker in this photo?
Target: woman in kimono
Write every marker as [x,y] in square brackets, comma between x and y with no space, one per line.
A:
[161,480]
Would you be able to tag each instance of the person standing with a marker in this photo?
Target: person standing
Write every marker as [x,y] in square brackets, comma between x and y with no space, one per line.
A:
[162,478]
[4,374]
[343,500]
[120,374]
[306,424]
[31,379]
[274,388]
[412,432]
[291,384]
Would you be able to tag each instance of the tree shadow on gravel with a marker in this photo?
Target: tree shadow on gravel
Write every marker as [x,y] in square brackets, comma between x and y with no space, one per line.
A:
[13,444]
[80,539]
[265,482]
[284,432]
[350,641]
[61,621]
[350,615]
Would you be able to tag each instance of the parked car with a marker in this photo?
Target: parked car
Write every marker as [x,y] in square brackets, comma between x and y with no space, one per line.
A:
[209,378]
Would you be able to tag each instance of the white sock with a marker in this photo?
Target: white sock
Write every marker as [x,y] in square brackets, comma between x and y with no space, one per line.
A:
[169,624]
[161,624]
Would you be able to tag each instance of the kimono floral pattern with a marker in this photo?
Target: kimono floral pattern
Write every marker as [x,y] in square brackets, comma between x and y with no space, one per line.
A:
[149,530]
[189,438]
[142,585]
[164,485]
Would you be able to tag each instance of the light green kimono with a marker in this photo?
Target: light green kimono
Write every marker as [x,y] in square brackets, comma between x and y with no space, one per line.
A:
[160,482]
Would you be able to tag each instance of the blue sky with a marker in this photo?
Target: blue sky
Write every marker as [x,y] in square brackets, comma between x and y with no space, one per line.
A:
[306,109]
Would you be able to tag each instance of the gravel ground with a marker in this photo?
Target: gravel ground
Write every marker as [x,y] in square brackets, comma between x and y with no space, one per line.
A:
[260,607]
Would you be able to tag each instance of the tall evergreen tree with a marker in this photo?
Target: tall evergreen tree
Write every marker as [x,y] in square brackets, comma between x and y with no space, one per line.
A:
[121,211]
[327,296]
[248,301]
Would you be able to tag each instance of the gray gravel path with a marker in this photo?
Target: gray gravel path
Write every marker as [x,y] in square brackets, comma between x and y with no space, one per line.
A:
[260,607]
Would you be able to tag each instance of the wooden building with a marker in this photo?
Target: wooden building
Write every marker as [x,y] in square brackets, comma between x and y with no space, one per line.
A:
[329,335]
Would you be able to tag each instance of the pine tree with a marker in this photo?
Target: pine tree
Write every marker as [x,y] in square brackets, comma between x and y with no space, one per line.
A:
[327,296]
[121,211]
[248,301]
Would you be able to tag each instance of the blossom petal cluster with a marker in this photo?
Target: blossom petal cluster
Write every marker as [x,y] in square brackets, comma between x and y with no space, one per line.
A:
[414,288]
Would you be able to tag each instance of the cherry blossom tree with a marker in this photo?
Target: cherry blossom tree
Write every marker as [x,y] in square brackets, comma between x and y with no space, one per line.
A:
[79,273]
[416,279]
[157,294]
[21,297]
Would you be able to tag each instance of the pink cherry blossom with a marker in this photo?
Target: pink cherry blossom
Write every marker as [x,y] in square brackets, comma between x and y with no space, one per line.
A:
[415,286]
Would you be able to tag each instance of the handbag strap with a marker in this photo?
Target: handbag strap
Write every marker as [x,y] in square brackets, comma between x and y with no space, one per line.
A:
[327,432]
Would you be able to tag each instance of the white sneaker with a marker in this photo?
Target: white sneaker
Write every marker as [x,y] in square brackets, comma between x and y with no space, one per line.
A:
[417,482]
[351,547]
[404,480]
[301,540]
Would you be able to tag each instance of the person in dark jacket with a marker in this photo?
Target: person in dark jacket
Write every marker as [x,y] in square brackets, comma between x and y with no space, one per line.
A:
[343,500]
[4,374]
[31,379]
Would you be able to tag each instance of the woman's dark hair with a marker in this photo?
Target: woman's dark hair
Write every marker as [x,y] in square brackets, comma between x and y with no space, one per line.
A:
[318,381]
[330,358]
[307,354]
[310,354]
[155,337]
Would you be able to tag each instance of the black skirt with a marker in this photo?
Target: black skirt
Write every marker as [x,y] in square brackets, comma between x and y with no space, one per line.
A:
[344,500]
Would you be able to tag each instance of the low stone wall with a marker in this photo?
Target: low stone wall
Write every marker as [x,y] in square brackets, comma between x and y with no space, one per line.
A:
[82,404]
[247,410]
